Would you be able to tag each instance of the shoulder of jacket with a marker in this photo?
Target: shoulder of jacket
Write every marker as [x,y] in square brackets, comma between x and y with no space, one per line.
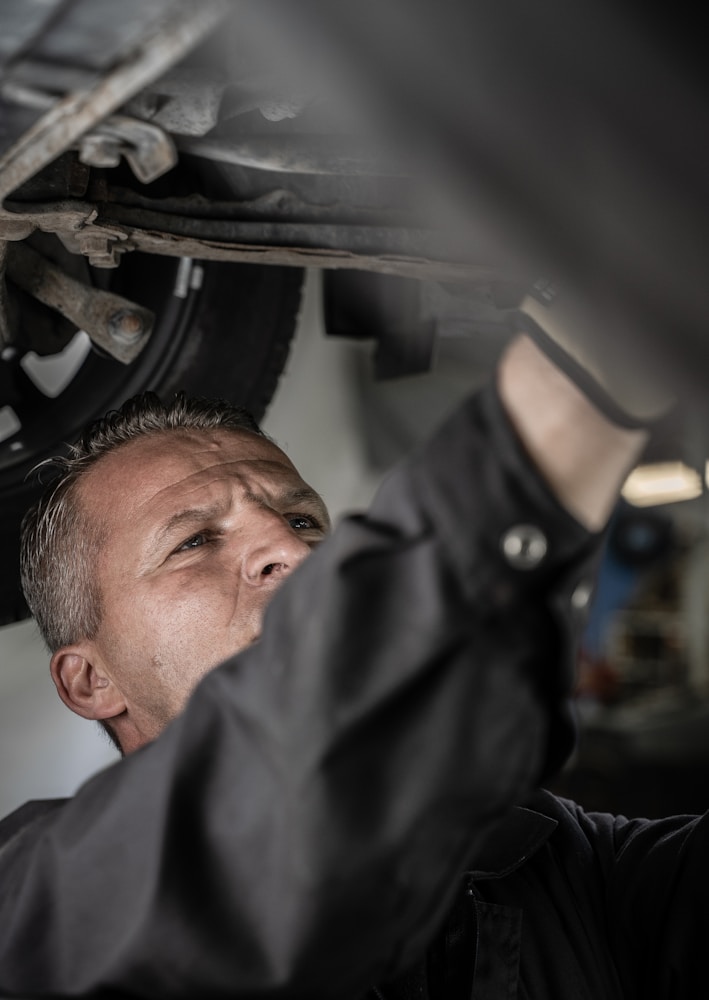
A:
[25,815]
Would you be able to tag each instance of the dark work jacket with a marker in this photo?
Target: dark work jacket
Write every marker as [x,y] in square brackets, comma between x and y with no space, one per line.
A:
[562,904]
[568,904]
[300,829]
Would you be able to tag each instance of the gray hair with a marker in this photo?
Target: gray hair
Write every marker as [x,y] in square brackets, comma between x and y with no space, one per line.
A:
[60,544]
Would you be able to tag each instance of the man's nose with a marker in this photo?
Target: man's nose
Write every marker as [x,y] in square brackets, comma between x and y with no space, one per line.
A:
[274,551]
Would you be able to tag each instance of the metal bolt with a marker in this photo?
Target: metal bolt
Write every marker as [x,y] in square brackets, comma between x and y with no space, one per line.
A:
[126,326]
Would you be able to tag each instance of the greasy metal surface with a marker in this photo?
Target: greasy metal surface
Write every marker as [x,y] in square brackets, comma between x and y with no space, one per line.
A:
[299,154]
[119,326]
[61,126]
[89,34]
[184,101]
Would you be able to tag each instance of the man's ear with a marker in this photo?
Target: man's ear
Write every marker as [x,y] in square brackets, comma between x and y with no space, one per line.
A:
[83,685]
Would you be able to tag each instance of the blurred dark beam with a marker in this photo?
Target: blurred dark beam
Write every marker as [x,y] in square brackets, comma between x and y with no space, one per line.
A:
[566,137]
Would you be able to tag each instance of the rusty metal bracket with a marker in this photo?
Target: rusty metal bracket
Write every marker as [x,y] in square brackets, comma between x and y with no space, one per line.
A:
[74,224]
[148,150]
[117,325]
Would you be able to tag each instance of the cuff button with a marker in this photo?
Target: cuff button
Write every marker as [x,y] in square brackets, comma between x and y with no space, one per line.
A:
[524,546]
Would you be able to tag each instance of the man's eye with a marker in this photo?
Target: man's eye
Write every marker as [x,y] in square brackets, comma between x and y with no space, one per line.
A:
[300,522]
[192,543]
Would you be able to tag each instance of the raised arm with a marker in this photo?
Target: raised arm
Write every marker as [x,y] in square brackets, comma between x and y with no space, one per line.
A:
[582,454]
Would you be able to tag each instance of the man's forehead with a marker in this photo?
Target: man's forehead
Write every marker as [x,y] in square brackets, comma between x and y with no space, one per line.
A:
[155,461]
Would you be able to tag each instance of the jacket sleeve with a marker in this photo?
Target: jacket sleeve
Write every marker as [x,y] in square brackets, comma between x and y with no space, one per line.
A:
[297,831]
[655,878]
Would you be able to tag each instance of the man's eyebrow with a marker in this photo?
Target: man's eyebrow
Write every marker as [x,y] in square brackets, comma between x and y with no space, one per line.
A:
[297,495]
[188,517]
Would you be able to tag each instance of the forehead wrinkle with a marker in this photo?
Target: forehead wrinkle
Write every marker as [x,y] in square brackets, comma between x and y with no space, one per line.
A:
[187,469]
[214,474]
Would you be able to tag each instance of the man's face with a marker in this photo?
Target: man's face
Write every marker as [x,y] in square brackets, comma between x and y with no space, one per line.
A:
[201,528]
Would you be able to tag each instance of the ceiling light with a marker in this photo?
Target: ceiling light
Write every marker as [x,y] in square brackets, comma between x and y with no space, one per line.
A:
[661,482]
